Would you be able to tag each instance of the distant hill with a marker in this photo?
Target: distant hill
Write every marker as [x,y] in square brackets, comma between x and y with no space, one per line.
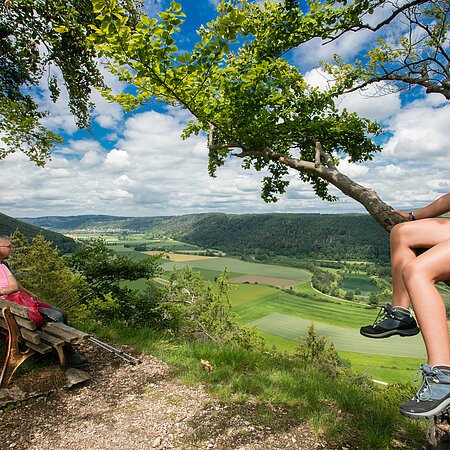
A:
[8,225]
[327,236]
[65,223]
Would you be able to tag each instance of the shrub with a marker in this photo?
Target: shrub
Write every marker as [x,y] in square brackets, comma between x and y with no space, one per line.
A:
[197,309]
[319,351]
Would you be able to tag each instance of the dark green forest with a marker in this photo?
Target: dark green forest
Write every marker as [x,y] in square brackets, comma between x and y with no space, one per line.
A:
[296,235]
[310,236]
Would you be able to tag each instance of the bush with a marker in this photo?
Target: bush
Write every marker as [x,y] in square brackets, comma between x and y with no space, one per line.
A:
[319,351]
[196,309]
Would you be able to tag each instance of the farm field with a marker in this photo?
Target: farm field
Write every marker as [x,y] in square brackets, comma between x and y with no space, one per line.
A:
[392,369]
[279,282]
[243,267]
[179,257]
[282,318]
[345,339]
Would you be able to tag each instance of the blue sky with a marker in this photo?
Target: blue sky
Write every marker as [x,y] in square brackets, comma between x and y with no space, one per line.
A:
[137,164]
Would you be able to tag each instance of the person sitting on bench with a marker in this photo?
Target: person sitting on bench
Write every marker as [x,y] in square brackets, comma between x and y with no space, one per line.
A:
[39,311]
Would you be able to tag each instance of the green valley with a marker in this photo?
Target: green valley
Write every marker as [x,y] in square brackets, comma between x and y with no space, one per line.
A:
[280,302]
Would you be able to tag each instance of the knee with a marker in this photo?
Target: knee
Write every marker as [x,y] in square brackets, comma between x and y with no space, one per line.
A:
[399,232]
[415,272]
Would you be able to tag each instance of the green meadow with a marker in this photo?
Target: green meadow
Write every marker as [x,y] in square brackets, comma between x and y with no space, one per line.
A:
[281,318]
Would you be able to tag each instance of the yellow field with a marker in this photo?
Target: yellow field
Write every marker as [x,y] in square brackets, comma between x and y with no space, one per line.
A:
[179,257]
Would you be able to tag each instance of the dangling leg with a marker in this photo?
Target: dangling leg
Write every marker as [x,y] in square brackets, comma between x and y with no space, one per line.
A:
[405,238]
[420,276]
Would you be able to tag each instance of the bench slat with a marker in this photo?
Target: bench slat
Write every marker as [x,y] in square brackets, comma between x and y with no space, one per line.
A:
[64,332]
[51,340]
[24,330]
[23,323]
[17,310]
[40,348]
[30,336]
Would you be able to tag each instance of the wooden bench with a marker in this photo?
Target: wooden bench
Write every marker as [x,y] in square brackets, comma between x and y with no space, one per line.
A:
[24,339]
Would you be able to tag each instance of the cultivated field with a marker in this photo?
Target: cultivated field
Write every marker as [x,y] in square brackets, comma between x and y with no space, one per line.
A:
[279,282]
[179,257]
[245,268]
[345,339]
[281,317]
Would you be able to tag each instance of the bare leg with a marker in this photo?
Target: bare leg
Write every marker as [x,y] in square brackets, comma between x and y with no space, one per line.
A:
[420,276]
[406,237]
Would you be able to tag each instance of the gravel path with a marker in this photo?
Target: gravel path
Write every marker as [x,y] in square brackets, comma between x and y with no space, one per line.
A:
[137,407]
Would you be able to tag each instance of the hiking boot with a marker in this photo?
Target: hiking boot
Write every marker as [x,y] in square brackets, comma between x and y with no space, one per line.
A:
[391,321]
[74,359]
[433,396]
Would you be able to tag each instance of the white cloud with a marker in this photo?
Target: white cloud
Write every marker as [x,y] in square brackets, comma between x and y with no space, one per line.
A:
[117,160]
[151,171]
[420,132]
[91,159]
[366,103]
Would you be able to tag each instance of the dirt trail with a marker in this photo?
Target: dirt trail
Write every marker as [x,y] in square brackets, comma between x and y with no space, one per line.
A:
[138,407]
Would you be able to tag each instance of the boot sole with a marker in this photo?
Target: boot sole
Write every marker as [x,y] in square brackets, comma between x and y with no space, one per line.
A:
[386,334]
[427,414]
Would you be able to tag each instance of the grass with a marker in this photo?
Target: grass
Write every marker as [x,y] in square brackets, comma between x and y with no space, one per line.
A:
[345,339]
[390,369]
[334,313]
[347,409]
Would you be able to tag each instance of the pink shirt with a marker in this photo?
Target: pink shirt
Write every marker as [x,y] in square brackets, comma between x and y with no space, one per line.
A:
[4,274]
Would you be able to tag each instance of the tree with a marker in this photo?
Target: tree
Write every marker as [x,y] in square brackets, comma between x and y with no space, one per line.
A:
[38,40]
[198,309]
[39,268]
[414,50]
[245,95]
[105,271]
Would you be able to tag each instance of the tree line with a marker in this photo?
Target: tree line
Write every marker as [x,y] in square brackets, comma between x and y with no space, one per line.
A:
[261,236]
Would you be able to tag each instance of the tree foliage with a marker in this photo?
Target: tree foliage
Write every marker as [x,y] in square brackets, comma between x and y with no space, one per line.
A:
[42,40]
[201,310]
[319,350]
[108,297]
[412,45]
[243,91]
[40,269]
[105,270]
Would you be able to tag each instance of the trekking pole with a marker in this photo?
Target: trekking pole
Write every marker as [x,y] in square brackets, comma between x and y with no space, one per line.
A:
[125,356]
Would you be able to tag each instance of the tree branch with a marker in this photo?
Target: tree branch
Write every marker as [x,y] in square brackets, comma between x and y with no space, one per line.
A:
[379,210]
[380,25]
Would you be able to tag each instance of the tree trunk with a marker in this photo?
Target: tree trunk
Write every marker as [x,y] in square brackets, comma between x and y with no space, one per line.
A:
[379,210]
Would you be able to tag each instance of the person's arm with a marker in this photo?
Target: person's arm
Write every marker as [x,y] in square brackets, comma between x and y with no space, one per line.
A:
[22,289]
[12,287]
[434,209]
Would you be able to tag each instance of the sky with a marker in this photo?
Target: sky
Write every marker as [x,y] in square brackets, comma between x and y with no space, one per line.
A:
[137,164]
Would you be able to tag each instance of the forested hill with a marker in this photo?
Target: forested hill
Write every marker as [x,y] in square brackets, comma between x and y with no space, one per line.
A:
[9,225]
[328,236]
[302,235]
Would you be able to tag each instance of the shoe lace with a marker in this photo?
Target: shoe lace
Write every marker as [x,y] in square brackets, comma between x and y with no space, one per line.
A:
[425,386]
[385,311]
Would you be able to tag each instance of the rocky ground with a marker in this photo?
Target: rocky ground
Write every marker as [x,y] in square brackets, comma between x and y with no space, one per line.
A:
[137,407]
